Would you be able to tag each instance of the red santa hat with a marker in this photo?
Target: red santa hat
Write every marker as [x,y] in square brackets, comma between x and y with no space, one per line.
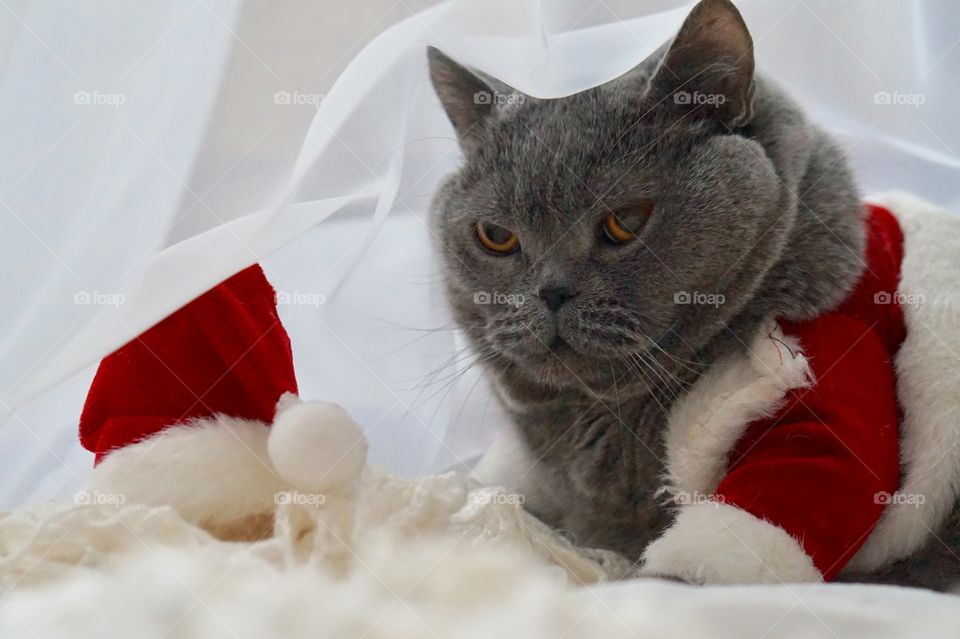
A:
[224,353]
[199,412]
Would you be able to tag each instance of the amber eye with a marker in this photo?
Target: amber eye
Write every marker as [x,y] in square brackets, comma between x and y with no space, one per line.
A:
[625,223]
[497,239]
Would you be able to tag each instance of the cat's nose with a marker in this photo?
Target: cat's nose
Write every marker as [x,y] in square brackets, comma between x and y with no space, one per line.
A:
[556,296]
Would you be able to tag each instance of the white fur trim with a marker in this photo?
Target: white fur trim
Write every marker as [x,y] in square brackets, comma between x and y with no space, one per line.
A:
[505,460]
[737,390]
[928,382]
[214,471]
[508,463]
[715,543]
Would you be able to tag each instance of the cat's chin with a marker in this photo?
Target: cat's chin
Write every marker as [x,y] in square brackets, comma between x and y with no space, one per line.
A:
[563,368]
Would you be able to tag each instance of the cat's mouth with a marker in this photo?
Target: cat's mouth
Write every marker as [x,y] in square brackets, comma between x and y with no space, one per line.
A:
[554,351]
[553,358]
[559,362]
[560,346]
[562,363]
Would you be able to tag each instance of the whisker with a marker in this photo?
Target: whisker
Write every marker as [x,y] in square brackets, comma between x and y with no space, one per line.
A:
[677,360]
[675,379]
[646,364]
[616,389]
[458,356]
[653,391]
[450,385]
[426,333]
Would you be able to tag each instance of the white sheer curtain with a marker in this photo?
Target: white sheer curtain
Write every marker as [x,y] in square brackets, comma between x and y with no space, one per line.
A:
[149,151]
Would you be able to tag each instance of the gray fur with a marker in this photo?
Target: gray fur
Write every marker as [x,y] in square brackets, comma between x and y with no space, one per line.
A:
[753,202]
[936,565]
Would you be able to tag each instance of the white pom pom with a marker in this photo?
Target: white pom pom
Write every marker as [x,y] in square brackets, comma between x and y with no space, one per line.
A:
[316,446]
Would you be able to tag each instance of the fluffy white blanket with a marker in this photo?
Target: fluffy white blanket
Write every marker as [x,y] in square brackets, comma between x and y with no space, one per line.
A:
[434,557]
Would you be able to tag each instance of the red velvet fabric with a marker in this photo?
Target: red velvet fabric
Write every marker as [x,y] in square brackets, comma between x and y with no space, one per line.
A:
[816,467]
[224,352]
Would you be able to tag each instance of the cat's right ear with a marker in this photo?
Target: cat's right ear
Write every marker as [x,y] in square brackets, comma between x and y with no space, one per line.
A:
[467,99]
[708,69]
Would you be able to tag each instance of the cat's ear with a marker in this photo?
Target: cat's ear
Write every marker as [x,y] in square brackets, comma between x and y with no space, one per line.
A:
[708,70]
[467,98]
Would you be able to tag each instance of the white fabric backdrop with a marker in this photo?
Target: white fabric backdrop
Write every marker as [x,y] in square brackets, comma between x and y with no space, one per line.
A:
[151,151]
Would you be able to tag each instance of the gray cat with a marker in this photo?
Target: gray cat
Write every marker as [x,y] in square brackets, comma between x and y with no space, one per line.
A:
[689,173]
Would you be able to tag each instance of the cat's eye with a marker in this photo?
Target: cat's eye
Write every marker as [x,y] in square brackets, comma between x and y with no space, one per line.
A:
[623,225]
[497,239]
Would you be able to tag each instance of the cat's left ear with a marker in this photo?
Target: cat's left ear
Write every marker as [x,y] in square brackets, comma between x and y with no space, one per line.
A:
[708,71]
[469,99]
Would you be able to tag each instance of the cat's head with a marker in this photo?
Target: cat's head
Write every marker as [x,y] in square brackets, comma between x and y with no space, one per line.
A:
[642,214]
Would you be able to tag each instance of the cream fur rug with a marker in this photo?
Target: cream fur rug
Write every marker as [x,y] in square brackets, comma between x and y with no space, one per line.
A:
[427,558]
[434,558]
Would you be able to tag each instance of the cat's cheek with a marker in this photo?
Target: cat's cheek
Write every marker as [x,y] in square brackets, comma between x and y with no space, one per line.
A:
[737,175]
